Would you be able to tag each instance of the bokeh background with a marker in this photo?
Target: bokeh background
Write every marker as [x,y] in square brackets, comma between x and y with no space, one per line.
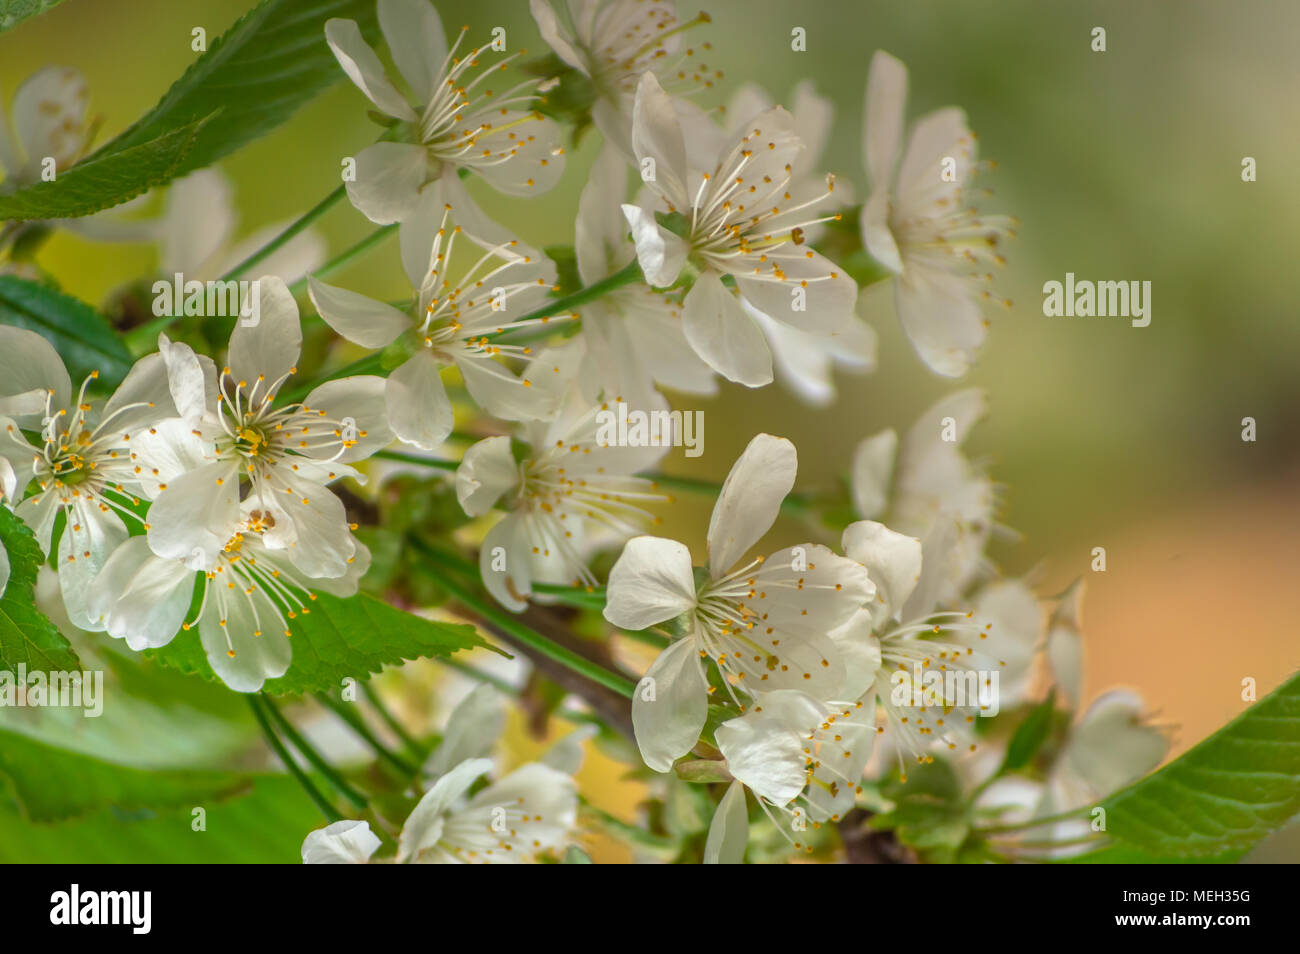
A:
[1120,165]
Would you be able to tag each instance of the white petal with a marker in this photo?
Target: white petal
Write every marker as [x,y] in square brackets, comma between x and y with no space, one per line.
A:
[88,539]
[4,569]
[721,333]
[660,253]
[873,466]
[828,294]
[49,116]
[765,748]
[416,41]
[547,804]
[600,238]
[657,135]
[198,219]
[486,472]
[364,321]
[729,830]
[750,500]
[1111,745]
[166,451]
[941,317]
[364,69]
[533,163]
[250,648]
[496,389]
[140,597]
[341,843]
[670,706]
[424,827]
[1065,643]
[28,362]
[876,234]
[191,379]
[8,481]
[922,187]
[419,411]
[651,582]
[893,562]
[883,121]
[472,729]
[505,561]
[147,386]
[360,401]
[813,118]
[197,514]
[323,543]
[1013,639]
[654,329]
[388,180]
[39,512]
[271,347]
[557,38]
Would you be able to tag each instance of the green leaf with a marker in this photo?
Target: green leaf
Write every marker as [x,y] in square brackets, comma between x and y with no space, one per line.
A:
[340,639]
[27,637]
[52,784]
[267,825]
[14,12]
[258,73]
[574,855]
[79,333]
[104,179]
[252,78]
[1030,735]
[1224,794]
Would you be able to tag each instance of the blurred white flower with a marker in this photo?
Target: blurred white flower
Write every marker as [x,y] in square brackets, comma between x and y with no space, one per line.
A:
[49,122]
[456,122]
[511,821]
[917,222]
[612,42]
[930,490]
[196,229]
[564,493]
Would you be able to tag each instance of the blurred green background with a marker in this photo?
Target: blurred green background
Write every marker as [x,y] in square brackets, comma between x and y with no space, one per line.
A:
[1120,165]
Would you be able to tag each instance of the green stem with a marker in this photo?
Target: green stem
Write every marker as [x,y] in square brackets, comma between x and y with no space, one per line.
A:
[331,814]
[417,459]
[358,726]
[1032,823]
[624,276]
[517,631]
[307,218]
[311,755]
[345,257]
[390,720]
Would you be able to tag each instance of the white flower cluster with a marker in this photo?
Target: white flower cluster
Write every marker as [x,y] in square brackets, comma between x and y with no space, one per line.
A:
[512,820]
[199,494]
